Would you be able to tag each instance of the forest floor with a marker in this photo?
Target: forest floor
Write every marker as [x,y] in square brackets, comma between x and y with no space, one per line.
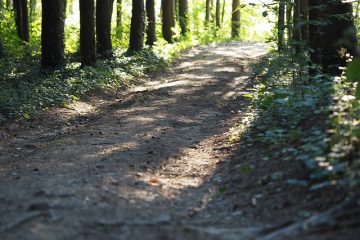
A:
[153,161]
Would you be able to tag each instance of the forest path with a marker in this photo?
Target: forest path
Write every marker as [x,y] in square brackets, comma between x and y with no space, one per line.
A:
[145,164]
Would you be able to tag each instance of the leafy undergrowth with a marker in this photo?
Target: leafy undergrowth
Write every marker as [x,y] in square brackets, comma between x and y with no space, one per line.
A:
[314,121]
[25,90]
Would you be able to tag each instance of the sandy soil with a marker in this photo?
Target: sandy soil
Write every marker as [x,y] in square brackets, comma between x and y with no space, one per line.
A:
[149,162]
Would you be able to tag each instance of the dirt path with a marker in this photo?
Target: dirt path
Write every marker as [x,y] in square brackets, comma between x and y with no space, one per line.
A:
[147,164]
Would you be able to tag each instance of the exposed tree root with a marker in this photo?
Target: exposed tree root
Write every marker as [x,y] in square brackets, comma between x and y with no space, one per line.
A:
[324,221]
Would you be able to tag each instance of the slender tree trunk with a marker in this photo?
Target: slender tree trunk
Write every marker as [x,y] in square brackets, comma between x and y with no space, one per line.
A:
[207,12]
[103,27]
[21,19]
[217,13]
[183,16]
[137,26]
[304,16]
[151,23]
[281,25]
[223,12]
[52,36]
[289,25]
[119,27]
[168,9]
[315,31]
[87,32]
[2,54]
[33,4]
[235,19]
[297,29]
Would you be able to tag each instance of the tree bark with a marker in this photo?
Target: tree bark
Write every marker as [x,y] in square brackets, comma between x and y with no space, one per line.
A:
[87,32]
[151,23]
[223,12]
[218,14]
[297,29]
[168,19]
[52,36]
[137,26]
[235,19]
[21,19]
[183,16]
[304,19]
[33,4]
[281,25]
[207,12]
[119,27]
[103,27]
[339,36]
[2,54]
[289,25]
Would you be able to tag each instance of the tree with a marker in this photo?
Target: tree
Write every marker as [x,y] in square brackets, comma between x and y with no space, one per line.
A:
[315,31]
[137,26]
[207,12]
[87,32]
[119,27]
[304,21]
[2,54]
[151,23]
[183,16]
[223,12]
[235,19]
[281,24]
[21,19]
[168,19]
[1,44]
[52,35]
[289,25]
[32,10]
[297,27]
[339,36]
[217,14]
[103,27]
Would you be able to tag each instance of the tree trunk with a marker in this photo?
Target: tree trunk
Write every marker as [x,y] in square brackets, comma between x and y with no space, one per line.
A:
[315,31]
[151,23]
[297,29]
[183,16]
[137,26]
[289,25]
[235,19]
[223,12]
[1,50]
[52,36]
[32,10]
[304,19]
[103,27]
[207,12]
[21,19]
[168,19]
[217,13]
[119,27]
[339,36]
[87,32]
[281,25]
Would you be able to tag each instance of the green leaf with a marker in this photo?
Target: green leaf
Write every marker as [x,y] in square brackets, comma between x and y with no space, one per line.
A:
[353,71]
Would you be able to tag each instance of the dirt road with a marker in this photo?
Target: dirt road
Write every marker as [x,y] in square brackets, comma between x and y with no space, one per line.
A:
[144,164]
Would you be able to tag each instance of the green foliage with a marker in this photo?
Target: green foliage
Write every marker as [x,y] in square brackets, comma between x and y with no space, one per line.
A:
[353,74]
[25,90]
[316,122]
